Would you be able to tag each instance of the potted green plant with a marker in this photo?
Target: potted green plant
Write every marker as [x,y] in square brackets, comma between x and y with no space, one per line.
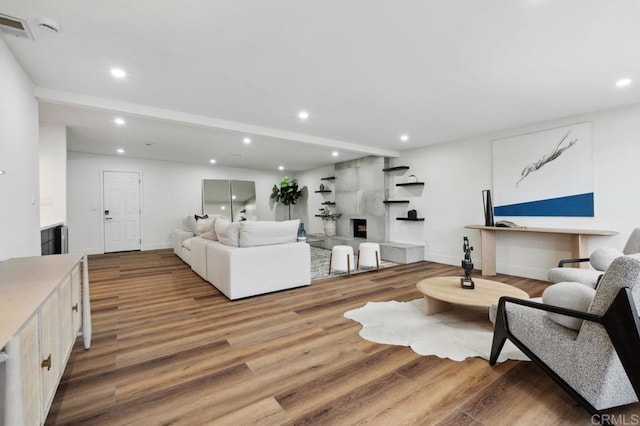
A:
[288,192]
[329,218]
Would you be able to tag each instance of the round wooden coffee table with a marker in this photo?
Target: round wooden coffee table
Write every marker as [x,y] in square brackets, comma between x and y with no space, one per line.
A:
[441,292]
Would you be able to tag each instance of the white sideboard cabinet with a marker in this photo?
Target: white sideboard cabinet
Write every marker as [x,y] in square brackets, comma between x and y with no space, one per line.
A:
[44,305]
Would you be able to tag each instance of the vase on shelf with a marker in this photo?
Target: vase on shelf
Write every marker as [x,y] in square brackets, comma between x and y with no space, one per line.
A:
[488,207]
[330,228]
[302,234]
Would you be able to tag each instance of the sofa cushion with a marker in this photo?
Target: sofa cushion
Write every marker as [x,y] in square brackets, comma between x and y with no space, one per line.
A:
[227,232]
[263,233]
[568,295]
[187,243]
[211,235]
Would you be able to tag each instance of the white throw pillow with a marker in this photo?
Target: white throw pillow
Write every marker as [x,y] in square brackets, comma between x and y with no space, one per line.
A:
[568,295]
[227,232]
[601,258]
[264,233]
[189,223]
[204,226]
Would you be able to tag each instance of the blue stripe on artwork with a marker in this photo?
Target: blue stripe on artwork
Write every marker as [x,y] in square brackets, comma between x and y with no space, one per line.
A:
[573,205]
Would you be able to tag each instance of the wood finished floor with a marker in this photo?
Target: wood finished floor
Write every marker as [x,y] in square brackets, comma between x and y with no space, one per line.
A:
[168,348]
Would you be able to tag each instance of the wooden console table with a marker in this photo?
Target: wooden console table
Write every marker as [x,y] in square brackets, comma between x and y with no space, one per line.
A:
[488,236]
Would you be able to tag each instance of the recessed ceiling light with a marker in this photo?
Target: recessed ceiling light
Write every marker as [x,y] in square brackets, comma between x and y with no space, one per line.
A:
[119,121]
[221,207]
[280,167]
[303,115]
[120,151]
[118,73]
[334,153]
[246,140]
[404,137]
[2,172]
[233,197]
[212,161]
[623,82]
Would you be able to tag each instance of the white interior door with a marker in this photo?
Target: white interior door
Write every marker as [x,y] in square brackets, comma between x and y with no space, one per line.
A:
[121,192]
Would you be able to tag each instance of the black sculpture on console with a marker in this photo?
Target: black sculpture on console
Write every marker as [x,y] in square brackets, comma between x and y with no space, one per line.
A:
[466,282]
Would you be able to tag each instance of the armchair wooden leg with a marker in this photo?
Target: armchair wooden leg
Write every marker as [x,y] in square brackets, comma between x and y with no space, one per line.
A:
[330,257]
[358,261]
[348,265]
[377,262]
[499,334]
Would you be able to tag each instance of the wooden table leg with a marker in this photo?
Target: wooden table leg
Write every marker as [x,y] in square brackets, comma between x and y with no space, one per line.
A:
[578,250]
[433,306]
[488,252]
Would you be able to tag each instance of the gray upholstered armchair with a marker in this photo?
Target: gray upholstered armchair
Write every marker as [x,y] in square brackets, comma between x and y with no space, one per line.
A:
[600,259]
[598,363]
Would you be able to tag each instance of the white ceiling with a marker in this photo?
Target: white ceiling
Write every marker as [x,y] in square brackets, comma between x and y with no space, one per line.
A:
[202,74]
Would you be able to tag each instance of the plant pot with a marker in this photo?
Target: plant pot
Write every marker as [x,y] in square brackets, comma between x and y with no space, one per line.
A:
[330,228]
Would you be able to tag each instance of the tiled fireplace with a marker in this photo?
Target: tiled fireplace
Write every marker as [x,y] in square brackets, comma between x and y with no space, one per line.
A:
[360,192]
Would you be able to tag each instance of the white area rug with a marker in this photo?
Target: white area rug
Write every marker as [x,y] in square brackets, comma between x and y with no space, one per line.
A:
[455,334]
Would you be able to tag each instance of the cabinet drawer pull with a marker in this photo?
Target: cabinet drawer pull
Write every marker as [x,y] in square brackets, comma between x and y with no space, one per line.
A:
[46,363]
[75,308]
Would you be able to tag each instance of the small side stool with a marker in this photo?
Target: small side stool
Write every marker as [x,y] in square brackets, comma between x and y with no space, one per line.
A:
[369,255]
[341,259]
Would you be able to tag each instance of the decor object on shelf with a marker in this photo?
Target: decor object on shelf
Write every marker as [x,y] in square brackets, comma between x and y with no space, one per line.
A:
[329,219]
[329,228]
[412,179]
[302,234]
[321,187]
[456,334]
[327,214]
[412,214]
[467,264]
[288,192]
[488,207]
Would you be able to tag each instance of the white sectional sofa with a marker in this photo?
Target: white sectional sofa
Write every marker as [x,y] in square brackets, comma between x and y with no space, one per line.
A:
[243,259]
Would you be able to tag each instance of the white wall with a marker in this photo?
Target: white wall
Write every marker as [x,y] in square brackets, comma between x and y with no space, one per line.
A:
[19,194]
[310,203]
[170,191]
[53,174]
[456,173]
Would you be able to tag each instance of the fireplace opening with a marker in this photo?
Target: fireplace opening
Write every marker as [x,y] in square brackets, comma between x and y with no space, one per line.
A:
[360,228]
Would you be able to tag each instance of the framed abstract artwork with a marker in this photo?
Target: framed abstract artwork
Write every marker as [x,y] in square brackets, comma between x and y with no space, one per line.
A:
[546,173]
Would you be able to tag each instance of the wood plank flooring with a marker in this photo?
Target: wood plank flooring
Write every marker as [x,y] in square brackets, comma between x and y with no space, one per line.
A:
[168,348]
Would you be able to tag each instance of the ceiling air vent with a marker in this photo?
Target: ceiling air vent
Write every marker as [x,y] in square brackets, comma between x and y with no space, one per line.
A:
[14,26]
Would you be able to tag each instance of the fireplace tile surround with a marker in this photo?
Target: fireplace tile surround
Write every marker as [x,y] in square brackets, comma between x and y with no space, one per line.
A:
[361,187]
